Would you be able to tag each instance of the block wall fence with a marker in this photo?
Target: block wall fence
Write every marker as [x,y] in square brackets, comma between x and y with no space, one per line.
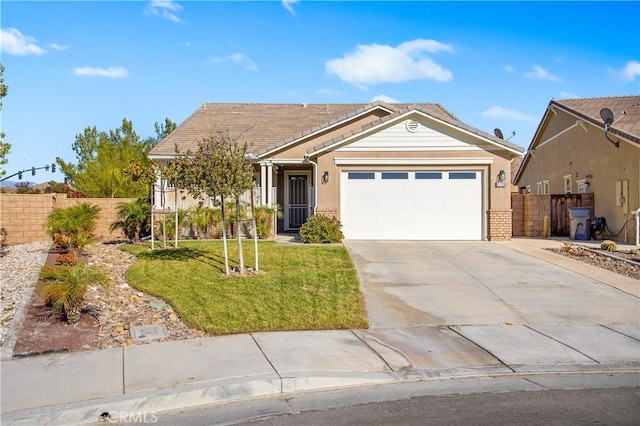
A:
[22,216]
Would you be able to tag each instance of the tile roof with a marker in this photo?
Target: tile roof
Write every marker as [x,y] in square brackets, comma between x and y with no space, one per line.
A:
[269,126]
[625,108]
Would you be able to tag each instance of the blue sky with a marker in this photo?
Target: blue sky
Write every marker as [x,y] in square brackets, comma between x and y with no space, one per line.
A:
[75,64]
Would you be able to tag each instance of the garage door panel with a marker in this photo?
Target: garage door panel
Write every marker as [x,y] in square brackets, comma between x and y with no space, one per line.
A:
[440,205]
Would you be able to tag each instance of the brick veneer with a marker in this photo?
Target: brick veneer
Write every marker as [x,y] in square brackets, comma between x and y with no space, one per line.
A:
[22,216]
[499,224]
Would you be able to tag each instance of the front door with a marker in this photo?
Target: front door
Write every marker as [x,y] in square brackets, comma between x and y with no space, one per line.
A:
[297,200]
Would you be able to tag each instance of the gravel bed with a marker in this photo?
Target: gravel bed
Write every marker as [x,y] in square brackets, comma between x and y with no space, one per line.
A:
[20,266]
[621,262]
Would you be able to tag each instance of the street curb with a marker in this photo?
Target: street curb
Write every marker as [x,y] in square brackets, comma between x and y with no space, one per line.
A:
[145,405]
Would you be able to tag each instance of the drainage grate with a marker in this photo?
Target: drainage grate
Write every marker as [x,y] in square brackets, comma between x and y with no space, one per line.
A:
[149,332]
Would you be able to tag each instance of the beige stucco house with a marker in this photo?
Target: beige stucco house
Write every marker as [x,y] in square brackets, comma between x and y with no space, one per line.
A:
[387,171]
[571,153]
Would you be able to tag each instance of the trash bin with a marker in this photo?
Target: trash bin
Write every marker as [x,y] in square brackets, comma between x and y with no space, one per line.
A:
[580,223]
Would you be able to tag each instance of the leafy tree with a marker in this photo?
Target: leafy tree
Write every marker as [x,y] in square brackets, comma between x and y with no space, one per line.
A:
[26,188]
[103,160]
[5,147]
[218,168]
[133,219]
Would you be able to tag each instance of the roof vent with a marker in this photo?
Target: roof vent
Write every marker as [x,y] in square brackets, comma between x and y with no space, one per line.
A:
[412,125]
[304,105]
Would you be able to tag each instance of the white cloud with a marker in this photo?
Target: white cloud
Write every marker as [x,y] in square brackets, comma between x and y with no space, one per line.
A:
[236,58]
[631,70]
[499,112]
[59,46]
[372,64]
[509,69]
[385,98]
[288,4]
[113,72]
[13,42]
[539,73]
[165,9]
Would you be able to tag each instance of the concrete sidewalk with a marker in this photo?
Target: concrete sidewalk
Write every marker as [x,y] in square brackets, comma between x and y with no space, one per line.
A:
[76,388]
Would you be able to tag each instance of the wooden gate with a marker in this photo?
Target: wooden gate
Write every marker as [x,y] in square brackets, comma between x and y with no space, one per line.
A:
[560,205]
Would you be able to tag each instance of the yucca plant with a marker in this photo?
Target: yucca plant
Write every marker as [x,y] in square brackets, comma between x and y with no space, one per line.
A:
[68,288]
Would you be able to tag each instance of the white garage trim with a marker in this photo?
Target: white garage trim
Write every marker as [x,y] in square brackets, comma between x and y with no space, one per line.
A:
[463,161]
[442,204]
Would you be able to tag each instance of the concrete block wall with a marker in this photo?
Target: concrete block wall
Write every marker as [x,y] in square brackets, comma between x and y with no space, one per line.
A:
[22,216]
[536,207]
[500,224]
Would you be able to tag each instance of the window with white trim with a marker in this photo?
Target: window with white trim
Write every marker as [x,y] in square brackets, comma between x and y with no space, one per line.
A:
[539,188]
[545,187]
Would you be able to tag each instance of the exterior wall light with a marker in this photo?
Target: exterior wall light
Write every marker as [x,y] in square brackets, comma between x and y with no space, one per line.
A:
[500,181]
[325,177]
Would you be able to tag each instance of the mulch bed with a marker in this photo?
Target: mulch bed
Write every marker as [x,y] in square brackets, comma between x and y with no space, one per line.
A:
[42,331]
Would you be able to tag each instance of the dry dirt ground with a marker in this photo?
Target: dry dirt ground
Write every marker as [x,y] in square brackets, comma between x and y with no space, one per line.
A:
[108,320]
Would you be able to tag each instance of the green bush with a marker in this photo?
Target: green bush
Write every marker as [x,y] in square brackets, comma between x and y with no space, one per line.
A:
[72,228]
[608,245]
[321,229]
[264,220]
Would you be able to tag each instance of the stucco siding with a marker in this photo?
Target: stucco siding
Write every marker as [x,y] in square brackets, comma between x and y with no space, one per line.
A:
[588,155]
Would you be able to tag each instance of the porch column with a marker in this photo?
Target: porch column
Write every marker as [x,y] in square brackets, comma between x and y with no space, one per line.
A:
[158,199]
[263,183]
[269,183]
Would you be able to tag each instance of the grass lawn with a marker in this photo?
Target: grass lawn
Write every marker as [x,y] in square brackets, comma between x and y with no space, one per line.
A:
[300,287]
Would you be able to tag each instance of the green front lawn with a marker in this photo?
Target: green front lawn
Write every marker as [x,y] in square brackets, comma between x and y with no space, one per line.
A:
[299,287]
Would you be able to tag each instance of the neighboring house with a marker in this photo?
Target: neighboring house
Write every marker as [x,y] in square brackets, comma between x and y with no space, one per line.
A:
[386,171]
[571,154]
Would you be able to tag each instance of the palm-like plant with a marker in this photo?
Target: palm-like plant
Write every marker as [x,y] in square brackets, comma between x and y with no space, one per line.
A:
[134,219]
[73,226]
[69,286]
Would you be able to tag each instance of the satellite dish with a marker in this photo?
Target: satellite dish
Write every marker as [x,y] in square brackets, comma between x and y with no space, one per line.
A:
[607,116]
[498,133]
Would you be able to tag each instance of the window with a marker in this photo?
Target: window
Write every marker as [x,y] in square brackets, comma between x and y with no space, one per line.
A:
[462,175]
[545,187]
[539,188]
[527,189]
[362,175]
[582,186]
[567,184]
[428,175]
[395,175]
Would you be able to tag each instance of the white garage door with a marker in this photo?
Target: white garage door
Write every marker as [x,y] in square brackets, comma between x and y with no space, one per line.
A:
[429,205]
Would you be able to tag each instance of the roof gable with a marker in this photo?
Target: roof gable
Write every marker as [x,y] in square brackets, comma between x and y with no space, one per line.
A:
[586,110]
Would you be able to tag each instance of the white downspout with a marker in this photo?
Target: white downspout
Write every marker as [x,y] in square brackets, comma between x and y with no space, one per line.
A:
[315,183]
[637,213]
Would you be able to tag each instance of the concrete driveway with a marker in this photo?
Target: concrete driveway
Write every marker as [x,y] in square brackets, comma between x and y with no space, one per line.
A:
[427,283]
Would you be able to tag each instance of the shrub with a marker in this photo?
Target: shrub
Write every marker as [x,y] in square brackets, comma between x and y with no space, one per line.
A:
[608,245]
[134,219]
[264,220]
[66,259]
[321,229]
[72,228]
[69,285]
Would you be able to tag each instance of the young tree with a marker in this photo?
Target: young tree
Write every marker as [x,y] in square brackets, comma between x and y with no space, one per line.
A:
[5,147]
[219,169]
